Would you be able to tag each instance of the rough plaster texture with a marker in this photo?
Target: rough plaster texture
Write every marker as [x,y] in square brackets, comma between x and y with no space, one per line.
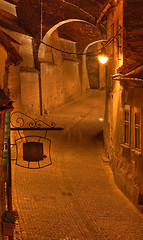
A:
[26,50]
[14,86]
[71,79]
[50,75]
[93,67]
[96,71]
[59,75]
[30,93]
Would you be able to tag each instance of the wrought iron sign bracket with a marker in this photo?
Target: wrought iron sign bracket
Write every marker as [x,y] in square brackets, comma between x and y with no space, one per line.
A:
[32,151]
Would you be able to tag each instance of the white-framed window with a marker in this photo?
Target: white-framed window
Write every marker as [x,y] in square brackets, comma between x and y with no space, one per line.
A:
[132,128]
[127,125]
[137,128]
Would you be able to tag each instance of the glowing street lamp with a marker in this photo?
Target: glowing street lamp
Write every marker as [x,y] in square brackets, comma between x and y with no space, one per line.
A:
[103,56]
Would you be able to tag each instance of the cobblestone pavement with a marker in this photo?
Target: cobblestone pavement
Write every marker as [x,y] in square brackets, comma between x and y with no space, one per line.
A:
[75,198]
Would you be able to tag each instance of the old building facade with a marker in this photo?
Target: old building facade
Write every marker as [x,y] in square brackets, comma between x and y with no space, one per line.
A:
[123,116]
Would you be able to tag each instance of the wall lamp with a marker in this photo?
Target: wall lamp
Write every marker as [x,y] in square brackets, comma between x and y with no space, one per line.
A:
[102,56]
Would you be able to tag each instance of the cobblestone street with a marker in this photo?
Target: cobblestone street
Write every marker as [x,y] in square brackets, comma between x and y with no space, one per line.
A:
[75,198]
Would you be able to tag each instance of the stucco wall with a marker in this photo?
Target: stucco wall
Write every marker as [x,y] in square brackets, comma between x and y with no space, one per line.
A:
[59,73]
[58,81]
[71,81]
[30,103]
[93,67]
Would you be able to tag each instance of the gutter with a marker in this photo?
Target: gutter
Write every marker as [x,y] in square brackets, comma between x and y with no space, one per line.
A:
[131,75]
[118,77]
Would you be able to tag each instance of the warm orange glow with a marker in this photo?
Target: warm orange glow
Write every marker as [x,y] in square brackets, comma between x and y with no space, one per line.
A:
[101,119]
[103,59]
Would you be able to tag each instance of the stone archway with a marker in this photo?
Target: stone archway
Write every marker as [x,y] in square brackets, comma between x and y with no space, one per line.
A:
[60,78]
[46,39]
[96,81]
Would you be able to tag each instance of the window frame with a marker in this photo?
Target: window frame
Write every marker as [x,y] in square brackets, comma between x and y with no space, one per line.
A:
[137,127]
[127,123]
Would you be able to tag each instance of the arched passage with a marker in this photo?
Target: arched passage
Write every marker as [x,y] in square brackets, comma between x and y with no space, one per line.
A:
[86,81]
[60,72]
[46,39]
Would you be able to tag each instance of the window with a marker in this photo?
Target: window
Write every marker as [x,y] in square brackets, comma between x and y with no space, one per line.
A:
[127,125]
[137,129]
[132,128]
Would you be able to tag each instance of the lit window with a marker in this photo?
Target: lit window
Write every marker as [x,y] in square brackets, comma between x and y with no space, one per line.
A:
[127,125]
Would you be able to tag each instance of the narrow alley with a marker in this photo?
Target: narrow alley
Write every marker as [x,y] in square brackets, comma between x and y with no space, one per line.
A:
[71,120]
[75,198]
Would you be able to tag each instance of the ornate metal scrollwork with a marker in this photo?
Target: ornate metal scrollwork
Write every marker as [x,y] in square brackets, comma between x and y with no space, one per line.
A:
[27,121]
[31,143]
